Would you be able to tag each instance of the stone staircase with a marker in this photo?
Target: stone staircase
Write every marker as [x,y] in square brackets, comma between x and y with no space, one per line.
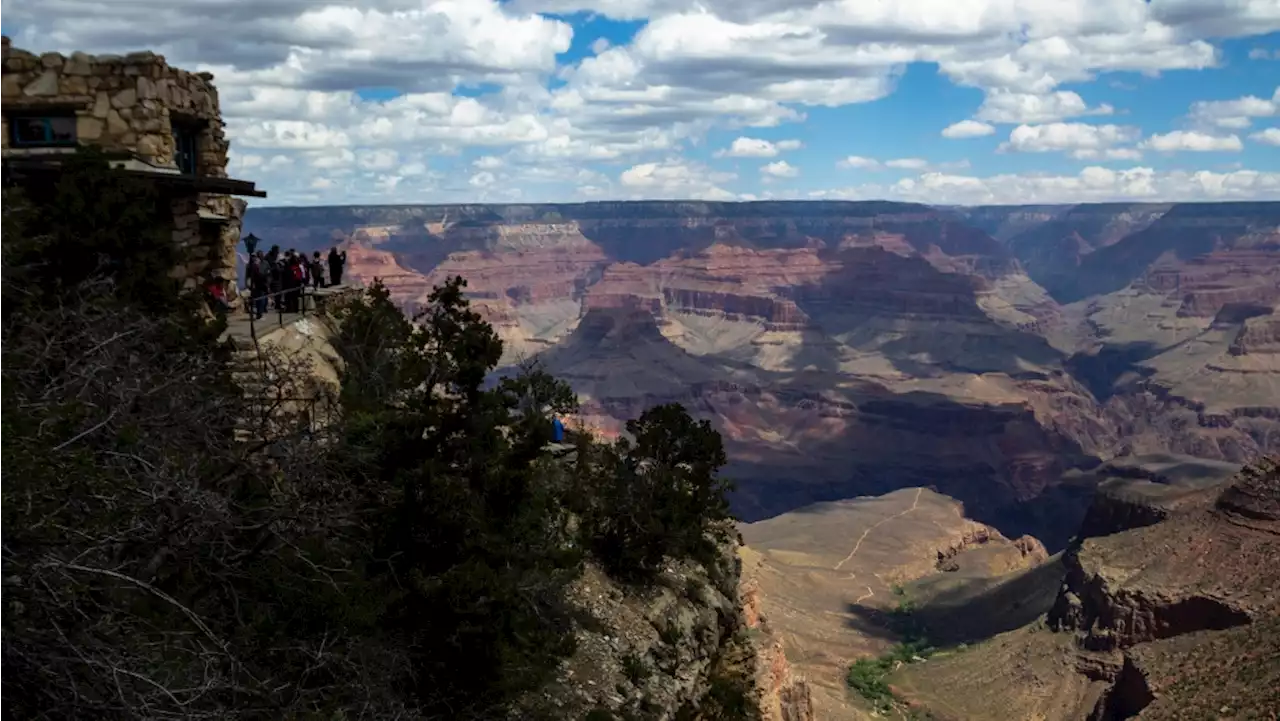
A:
[270,415]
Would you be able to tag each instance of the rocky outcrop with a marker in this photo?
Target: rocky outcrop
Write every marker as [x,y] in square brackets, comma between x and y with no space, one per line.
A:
[653,652]
[1032,551]
[782,694]
[1173,619]
[1110,618]
[1137,491]
[1099,598]
[1259,333]
[1129,693]
[1256,492]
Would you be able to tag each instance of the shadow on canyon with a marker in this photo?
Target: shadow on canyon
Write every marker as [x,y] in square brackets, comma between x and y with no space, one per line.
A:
[926,440]
[967,609]
[997,459]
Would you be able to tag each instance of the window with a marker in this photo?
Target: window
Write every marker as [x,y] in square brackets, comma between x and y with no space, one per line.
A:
[186,146]
[34,131]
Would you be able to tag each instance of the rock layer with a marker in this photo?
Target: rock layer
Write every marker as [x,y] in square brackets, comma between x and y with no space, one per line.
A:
[848,348]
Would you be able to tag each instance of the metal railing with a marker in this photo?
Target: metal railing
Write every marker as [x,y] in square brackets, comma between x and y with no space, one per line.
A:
[305,293]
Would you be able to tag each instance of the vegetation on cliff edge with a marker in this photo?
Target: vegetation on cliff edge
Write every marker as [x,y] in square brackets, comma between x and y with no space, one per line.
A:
[405,561]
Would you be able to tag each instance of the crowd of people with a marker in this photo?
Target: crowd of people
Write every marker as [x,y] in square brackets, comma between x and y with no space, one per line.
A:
[280,278]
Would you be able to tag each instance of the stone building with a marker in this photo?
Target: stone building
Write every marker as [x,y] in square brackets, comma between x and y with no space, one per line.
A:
[152,120]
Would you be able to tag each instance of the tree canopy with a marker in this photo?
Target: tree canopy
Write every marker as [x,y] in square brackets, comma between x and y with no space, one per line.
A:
[171,551]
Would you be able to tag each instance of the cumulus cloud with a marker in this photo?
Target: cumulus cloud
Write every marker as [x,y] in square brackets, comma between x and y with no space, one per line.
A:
[488,78]
[1092,184]
[675,179]
[860,163]
[780,169]
[1079,140]
[1001,106]
[968,129]
[1270,136]
[1233,114]
[744,147]
[857,161]
[1193,142]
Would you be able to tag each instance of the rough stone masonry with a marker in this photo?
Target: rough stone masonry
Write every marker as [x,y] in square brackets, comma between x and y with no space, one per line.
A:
[130,105]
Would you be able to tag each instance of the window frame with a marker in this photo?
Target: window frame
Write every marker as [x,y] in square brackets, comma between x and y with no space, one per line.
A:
[186,131]
[48,116]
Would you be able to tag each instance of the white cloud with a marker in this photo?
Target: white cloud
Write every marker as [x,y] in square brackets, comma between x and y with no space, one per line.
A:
[968,129]
[1269,136]
[1234,114]
[1092,184]
[744,147]
[483,179]
[1079,140]
[1001,106]
[676,179]
[780,169]
[1264,54]
[292,76]
[1192,141]
[860,163]
[857,161]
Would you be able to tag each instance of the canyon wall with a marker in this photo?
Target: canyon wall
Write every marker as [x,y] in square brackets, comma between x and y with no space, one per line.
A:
[849,348]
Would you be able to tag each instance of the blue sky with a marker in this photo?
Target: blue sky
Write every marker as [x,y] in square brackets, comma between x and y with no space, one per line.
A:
[565,100]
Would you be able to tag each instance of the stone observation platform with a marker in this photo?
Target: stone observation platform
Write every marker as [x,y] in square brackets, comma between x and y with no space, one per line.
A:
[242,329]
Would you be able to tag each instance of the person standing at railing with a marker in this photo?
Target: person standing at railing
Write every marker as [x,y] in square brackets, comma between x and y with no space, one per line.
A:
[294,276]
[317,270]
[259,285]
[337,261]
[275,277]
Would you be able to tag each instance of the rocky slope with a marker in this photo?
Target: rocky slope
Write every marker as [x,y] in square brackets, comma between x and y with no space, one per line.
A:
[1175,618]
[853,348]
[657,652]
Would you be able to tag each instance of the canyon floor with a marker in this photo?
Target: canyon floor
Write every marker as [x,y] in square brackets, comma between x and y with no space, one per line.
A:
[823,573]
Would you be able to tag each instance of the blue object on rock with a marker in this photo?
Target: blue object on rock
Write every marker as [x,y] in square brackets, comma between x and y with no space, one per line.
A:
[557,431]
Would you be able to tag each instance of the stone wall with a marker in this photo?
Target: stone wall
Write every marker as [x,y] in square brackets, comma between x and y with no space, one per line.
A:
[121,103]
[210,246]
[128,104]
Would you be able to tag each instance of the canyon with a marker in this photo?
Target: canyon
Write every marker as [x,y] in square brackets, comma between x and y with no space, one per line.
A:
[1020,420]
[856,348]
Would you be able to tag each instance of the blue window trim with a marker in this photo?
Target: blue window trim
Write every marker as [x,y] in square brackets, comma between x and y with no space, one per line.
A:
[48,141]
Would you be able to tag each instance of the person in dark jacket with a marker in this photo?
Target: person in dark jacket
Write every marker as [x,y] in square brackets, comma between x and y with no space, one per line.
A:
[336,263]
[259,285]
[317,270]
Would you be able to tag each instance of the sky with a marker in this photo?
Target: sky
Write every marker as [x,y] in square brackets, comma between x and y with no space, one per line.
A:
[935,101]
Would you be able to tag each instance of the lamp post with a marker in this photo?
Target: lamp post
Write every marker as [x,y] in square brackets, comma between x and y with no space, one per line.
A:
[251,243]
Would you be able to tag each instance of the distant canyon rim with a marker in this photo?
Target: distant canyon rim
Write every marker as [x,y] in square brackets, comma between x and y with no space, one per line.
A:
[992,354]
